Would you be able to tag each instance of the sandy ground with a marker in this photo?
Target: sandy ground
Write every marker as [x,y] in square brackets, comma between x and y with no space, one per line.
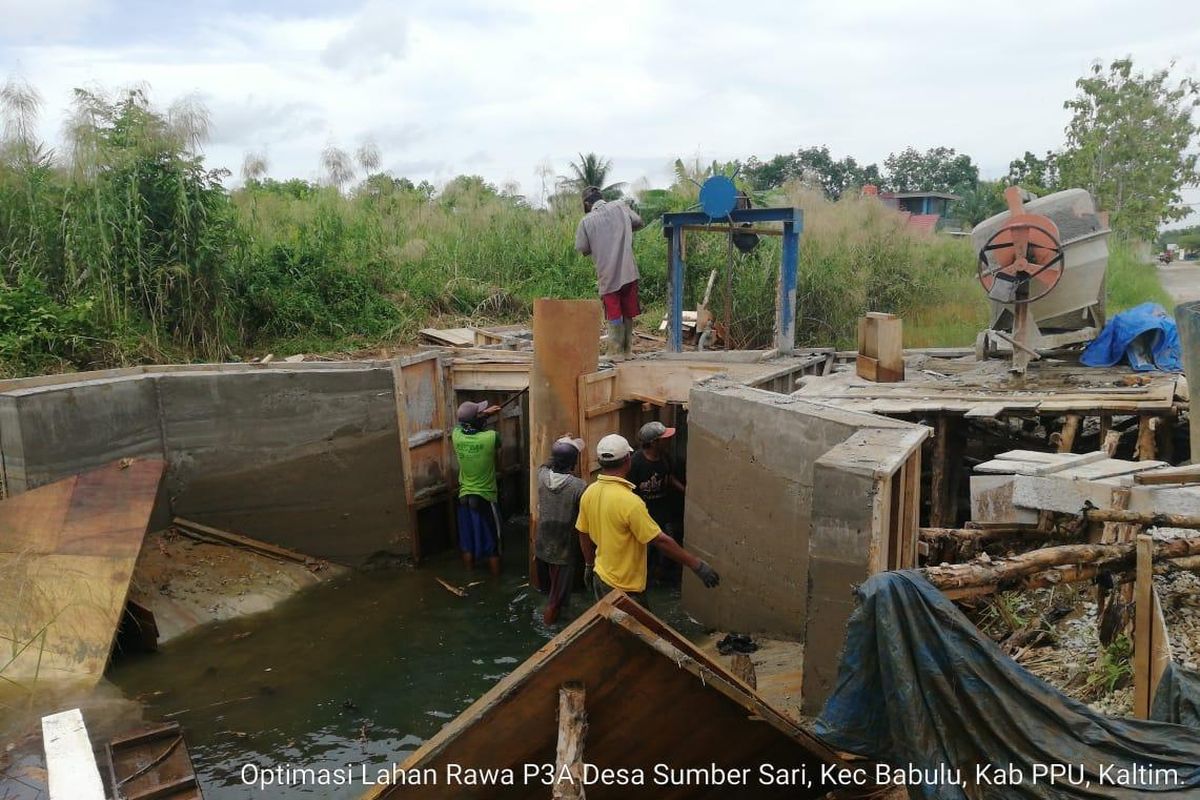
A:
[188,583]
[1181,280]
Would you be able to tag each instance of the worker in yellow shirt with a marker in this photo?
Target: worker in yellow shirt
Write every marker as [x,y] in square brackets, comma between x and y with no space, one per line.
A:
[615,530]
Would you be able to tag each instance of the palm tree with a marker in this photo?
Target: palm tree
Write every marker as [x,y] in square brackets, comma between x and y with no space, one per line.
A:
[592,170]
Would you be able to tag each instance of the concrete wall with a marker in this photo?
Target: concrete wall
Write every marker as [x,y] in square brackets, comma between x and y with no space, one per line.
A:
[305,456]
[751,457]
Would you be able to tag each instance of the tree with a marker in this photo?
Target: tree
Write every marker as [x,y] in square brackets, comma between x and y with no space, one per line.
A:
[592,170]
[981,201]
[834,177]
[938,169]
[1038,175]
[1128,142]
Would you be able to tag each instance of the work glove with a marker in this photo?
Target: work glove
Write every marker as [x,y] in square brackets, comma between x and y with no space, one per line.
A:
[589,577]
[707,575]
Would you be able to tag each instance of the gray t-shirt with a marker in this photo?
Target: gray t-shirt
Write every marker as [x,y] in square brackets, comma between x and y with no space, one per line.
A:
[606,234]
[558,508]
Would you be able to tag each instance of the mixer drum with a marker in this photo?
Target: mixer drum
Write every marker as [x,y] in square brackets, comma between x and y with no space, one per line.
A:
[1078,300]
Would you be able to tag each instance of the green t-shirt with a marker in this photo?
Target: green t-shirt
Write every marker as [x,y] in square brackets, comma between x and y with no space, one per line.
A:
[476,454]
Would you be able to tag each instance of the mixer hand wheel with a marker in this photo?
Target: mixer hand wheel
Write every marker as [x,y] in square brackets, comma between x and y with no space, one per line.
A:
[1027,256]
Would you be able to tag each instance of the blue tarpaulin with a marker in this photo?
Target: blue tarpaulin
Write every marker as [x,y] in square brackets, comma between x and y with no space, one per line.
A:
[1145,335]
[920,687]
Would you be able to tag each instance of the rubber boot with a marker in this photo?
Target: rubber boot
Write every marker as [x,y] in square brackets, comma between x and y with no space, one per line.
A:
[616,339]
[627,338]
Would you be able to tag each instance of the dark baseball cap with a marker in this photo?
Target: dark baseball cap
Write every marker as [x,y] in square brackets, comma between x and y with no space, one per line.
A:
[653,431]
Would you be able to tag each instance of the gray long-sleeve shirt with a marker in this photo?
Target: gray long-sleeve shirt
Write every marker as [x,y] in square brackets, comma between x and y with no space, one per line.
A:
[606,234]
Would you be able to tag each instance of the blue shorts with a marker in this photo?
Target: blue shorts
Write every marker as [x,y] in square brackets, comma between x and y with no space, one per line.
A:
[477,527]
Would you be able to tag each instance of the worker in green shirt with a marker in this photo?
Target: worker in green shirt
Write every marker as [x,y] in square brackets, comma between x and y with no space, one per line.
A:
[477,449]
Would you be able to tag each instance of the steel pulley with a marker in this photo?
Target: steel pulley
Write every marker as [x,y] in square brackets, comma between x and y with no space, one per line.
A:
[1023,260]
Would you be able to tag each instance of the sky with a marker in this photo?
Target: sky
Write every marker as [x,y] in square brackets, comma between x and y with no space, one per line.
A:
[514,90]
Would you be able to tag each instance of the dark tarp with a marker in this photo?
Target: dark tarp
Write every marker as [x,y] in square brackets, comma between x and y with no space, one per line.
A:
[1145,335]
[919,685]
[1178,697]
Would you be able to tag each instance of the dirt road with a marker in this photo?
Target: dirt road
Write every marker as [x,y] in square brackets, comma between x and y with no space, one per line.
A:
[1181,279]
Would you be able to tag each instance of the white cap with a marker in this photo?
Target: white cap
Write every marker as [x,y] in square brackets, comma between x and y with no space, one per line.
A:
[612,448]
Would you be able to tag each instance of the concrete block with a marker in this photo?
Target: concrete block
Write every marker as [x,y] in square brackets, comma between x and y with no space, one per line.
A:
[992,500]
[308,459]
[51,432]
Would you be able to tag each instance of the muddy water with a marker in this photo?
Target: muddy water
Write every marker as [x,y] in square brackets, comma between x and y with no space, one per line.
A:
[359,670]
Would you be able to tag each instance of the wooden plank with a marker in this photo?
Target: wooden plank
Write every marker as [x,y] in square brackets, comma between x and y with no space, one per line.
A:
[71,768]
[566,346]
[1074,461]
[1108,468]
[986,410]
[62,595]
[605,408]
[1187,474]
[610,647]
[237,540]
[400,404]
[572,733]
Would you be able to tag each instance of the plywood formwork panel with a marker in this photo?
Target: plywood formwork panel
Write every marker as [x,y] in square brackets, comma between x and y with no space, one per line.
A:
[67,553]
[645,689]
[566,346]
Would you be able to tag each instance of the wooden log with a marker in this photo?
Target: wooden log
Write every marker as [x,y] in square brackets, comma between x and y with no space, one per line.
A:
[1190,521]
[1066,436]
[1146,445]
[1143,613]
[572,731]
[945,475]
[1003,573]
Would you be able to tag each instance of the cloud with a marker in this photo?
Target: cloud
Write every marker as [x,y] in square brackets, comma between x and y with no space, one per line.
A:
[375,38]
[253,119]
[438,85]
[46,20]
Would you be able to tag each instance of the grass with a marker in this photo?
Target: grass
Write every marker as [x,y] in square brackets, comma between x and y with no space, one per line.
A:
[128,250]
[1130,282]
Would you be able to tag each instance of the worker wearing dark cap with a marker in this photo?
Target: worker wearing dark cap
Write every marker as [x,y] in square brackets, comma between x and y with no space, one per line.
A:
[606,234]
[653,476]
[615,529]
[477,449]
[556,545]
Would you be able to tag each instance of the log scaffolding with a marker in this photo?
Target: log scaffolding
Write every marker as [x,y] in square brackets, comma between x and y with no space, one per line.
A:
[1051,566]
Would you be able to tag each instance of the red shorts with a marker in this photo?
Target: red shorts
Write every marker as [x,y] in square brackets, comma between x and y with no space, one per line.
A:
[622,303]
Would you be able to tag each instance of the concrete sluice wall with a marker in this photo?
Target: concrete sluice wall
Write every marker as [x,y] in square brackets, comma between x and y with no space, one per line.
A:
[306,456]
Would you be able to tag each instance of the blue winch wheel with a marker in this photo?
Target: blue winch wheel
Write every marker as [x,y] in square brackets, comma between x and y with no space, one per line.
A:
[718,197]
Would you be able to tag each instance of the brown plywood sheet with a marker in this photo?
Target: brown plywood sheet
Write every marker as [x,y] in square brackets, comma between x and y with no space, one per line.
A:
[67,553]
[647,689]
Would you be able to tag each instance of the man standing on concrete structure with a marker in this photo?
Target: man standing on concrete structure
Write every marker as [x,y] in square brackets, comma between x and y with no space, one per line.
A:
[606,234]
[653,477]
[615,529]
[559,490]
[477,450]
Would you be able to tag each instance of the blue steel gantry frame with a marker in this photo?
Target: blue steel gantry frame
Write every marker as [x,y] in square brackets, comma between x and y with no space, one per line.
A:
[677,223]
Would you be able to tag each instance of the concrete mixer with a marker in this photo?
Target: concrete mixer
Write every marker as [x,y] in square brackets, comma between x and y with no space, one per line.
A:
[1042,265]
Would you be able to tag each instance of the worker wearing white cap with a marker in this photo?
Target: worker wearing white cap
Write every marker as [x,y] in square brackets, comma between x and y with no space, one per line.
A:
[616,529]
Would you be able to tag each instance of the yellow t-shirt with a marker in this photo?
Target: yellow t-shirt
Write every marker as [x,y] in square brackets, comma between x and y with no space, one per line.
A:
[616,519]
